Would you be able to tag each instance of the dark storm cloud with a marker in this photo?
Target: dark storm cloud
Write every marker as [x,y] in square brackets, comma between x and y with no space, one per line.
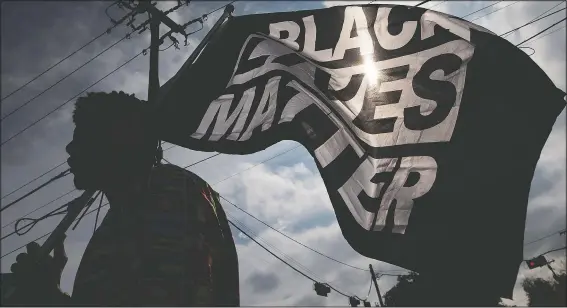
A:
[544,181]
[37,34]
[263,282]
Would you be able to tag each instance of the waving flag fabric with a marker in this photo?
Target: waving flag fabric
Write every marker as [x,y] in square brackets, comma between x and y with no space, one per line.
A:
[426,128]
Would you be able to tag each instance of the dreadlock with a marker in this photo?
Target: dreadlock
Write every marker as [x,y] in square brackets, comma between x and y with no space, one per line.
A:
[102,107]
[97,110]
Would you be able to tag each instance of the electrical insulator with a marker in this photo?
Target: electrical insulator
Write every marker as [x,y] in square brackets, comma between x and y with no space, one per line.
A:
[321,289]
[353,301]
[536,262]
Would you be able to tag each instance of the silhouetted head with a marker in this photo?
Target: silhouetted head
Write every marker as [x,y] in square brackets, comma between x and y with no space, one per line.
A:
[112,143]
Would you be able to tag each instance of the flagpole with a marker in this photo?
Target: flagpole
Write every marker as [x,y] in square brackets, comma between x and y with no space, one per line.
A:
[58,235]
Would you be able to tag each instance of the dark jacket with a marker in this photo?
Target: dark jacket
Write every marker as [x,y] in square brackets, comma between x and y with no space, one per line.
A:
[171,246]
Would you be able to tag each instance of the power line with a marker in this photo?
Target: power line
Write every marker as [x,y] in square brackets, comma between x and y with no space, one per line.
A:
[144,51]
[369,288]
[222,7]
[273,254]
[278,231]
[173,145]
[34,221]
[419,4]
[68,56]
[127,36]
[46,234]
[55,178]
[484,8]
[548,10]
[37,209]
[285,262]
[494,11]
[554,250]
[202,160]
[256,165]
[530,22]
[550,33]
[533,36]
[46,172]
[422,3]
[52,170]
[545,237]
[92,85]
[429,8]
[273,247]
[549,251]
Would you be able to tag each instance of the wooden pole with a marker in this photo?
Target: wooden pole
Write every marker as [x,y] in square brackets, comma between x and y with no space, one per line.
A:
[153,80]
[376,285]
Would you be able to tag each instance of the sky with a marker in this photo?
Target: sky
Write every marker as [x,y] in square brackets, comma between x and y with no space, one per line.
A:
[286,192]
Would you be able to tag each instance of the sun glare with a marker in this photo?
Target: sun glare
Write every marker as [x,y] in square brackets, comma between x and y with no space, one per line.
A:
[370,70]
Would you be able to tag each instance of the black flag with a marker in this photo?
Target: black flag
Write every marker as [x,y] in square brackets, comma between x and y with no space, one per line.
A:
[426,128]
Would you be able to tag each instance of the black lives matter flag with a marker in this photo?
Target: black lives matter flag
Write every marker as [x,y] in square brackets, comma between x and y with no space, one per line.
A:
[426,129]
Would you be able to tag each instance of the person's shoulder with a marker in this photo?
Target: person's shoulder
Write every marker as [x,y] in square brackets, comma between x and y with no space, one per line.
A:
[174,171]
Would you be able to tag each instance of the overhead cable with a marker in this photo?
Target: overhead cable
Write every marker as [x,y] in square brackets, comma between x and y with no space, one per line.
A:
[494,11]
[202,160]
[33,221]
[530,22]
[441,2]
[256,165]
[419,4]
[19,230]
[144,51]
[278,231]
[222,7]
[369,289]
[422,3]
[535,35]
[544,237]
[484,8]
[269,251]
[127,36]
[53,179]
[37,209]
[284,255]
[554,250]
[285,262]
[72,98]
[107,31]
[46,234]
[549,251]
[167,149]
[549,33]
[46,172]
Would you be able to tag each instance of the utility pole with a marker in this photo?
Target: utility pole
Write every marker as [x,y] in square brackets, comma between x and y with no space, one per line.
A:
[376,285]
[153,79]
[156,18]
[552,271]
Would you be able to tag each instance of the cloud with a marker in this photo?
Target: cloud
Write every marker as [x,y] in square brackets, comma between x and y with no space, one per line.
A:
[286,192]
[263,282]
